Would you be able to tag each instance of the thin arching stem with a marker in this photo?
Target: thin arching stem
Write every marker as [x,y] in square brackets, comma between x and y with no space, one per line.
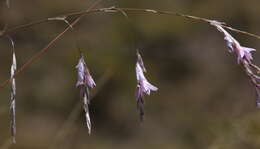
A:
[129,10]
[80,14]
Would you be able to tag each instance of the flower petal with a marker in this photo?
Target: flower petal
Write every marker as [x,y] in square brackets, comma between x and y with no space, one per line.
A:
[247,53]
[148,87]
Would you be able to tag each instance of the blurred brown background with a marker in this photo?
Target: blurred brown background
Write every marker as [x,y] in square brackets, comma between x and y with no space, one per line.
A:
[204,101]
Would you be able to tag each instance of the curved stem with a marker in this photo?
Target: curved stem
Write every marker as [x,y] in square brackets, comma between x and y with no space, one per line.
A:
[132,10]
[80,14]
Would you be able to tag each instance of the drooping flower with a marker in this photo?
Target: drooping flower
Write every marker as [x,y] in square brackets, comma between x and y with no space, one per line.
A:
[84,77]
[13,95]
[84,82]
[143,86]
[242,53]
[244,57]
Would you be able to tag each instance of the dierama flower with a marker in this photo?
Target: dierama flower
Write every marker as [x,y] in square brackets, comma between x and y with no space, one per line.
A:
[84,77]
[242,53]
[143,86]
[244,57]
[13,95]
[85,81]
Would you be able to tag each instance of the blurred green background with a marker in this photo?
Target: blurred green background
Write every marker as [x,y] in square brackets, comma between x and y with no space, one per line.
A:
[205,100]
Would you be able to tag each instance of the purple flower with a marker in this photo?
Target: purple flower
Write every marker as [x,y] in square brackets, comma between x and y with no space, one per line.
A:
[84,77]
[13,98]
[85,81]
[243,53]
[143,86]
[244,57]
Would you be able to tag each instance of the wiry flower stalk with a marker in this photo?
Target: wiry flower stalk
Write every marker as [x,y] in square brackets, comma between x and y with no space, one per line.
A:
[85,81]
[13,94]
[244,57]
[143,86]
